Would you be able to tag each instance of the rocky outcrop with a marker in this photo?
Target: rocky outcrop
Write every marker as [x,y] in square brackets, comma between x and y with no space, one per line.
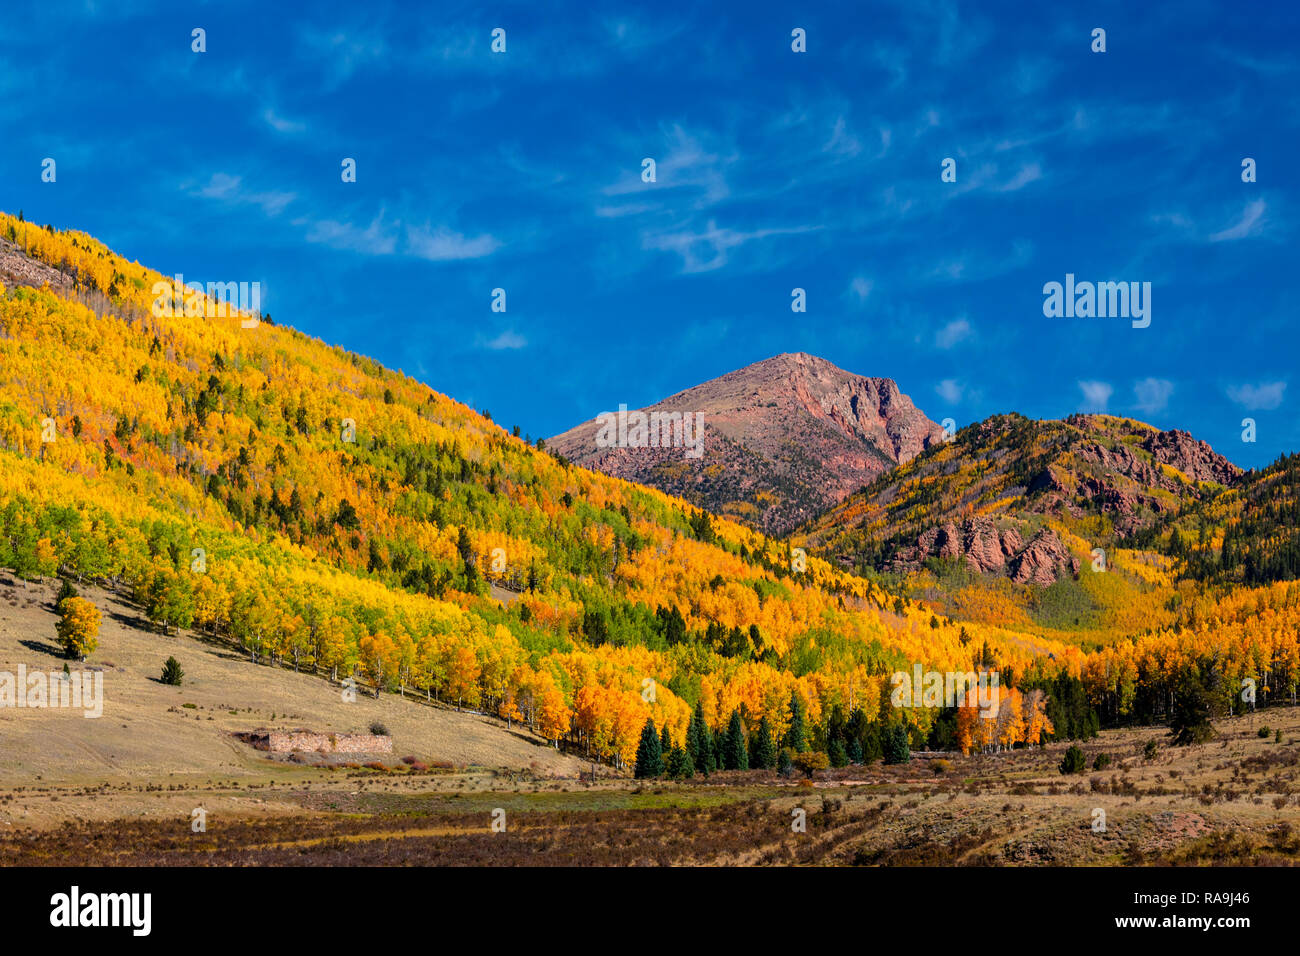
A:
[986,549]
[1044,560]
[1196,459]
[1133,503]
[1122,460]
[18,268]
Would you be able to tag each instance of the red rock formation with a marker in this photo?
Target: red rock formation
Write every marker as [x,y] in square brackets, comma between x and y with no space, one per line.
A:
[1194,458]
[1044,560]
[989,550]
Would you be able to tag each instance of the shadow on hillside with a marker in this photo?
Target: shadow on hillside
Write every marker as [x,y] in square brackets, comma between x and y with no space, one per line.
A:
[125,613]
[41,647]
[26,592]
[526,739]
[223,652]
[220,647]
[126,619]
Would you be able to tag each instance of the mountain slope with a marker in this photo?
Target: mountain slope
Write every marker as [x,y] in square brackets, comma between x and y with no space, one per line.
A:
[1249,534]
[1001,494]
[312,510]
[784,439]
[318,511]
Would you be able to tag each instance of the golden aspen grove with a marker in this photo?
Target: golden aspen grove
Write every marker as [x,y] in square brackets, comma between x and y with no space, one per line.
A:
[443,443]
[325,514]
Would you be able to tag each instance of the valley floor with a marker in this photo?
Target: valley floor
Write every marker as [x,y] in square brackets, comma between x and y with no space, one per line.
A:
[124,788]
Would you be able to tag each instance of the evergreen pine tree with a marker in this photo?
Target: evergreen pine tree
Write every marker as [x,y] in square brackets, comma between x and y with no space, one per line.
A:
[693,735]
[796,736]
[172,673]
[1190,721]
[836,727]
[734,754]
[680,765]
[873,743]
[665,743]
[784,765]
[649,756]
[762,752]
[839,756]
[700,742]
[897,748]
[66,591]
[1074,761]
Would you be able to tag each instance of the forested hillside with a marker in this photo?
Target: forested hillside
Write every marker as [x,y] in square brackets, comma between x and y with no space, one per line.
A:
[325,513]
[1250,534]
[1101,477]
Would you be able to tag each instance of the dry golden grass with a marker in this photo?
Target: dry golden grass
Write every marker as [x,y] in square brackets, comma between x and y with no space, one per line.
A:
[149,737]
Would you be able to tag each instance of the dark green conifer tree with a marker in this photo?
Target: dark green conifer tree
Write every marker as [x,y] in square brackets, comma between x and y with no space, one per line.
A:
[699,741]
[784,765]
[897,748]
[649,757]
[762,751]
[796,735]
[735,756]
[838,755]
[680,765]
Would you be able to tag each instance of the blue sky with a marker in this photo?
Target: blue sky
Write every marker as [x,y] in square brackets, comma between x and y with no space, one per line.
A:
[775,170]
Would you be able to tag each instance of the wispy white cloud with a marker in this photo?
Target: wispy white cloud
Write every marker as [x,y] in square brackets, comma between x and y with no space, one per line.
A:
[1253,221]
[1096,396]
[634,36]
[1026,175]
[226,188]
[1178,220]
[860,288]
[281,124]
[980,265]
[891,60]
[842,142]
[1263,397]
[952,269]
[221,186]
[507,340]
[1152,394]
[627,209]
[1258,64]
[1247,226]
[442,244]
[1029,76]
[952,333]
[683,163]
[382,238]
[374,240]
[344,51]
[707,250]
[950,390]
